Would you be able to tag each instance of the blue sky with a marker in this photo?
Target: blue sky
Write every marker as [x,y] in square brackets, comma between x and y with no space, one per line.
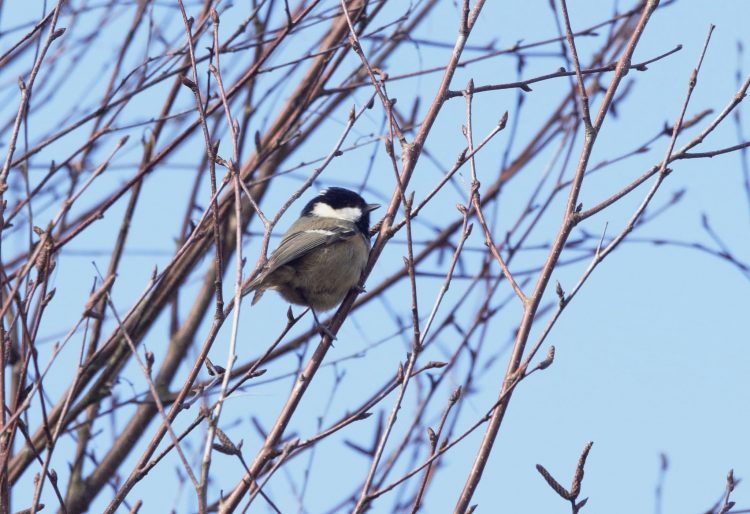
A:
[652,355]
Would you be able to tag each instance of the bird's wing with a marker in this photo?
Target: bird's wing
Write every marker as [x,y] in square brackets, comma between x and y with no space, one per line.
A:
[297,243]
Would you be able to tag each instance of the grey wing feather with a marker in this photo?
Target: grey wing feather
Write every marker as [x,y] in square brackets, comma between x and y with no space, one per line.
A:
[298,243]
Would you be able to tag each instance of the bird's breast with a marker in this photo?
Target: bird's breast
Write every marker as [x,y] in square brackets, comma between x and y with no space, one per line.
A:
[322,278]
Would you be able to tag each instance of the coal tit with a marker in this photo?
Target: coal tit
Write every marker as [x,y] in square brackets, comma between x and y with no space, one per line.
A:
[322,255]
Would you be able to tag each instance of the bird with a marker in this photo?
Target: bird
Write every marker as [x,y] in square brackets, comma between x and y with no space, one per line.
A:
[323,254]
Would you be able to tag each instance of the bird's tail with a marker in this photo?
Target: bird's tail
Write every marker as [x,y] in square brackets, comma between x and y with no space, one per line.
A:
[254,285]
[257,295]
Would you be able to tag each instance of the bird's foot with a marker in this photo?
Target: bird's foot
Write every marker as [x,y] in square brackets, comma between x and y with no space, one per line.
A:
[323,329]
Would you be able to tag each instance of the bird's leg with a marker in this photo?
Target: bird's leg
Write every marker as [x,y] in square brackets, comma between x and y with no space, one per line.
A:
[324,330]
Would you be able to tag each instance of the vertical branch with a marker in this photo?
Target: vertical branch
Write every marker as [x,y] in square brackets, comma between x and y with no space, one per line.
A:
[474,198]
[211,155]
[582,95]
[213,417]
[434,437]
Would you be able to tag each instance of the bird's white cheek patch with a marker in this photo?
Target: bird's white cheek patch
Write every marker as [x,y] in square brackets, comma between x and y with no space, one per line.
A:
[352,214]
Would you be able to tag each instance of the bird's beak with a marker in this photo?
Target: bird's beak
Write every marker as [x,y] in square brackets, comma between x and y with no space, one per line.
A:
[372,206]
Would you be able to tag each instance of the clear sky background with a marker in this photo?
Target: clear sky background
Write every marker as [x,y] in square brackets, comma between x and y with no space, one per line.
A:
[652,356]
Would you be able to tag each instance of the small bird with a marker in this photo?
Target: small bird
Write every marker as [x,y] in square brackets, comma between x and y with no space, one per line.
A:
[322,255]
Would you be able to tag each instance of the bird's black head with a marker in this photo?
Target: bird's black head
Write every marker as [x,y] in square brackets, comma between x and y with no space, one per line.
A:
[340,203]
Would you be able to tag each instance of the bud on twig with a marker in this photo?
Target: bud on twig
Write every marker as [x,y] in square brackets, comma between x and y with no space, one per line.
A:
[547,362]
